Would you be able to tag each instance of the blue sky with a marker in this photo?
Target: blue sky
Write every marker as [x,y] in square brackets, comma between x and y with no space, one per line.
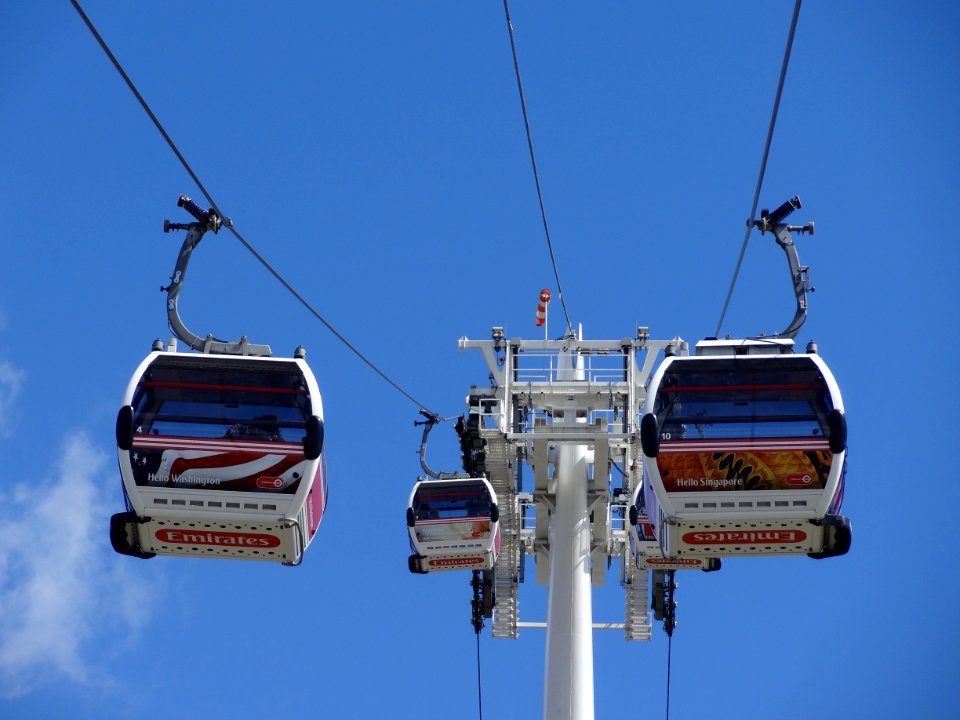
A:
[374,153]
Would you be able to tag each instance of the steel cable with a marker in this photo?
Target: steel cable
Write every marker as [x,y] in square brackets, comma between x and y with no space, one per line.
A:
[669,664]
[479,688]
[533,161]
[763,163]
[229,224]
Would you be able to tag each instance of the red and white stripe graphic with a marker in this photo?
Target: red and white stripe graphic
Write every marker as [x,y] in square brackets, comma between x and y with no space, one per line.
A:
[722,445]
[542,307]
[221,465]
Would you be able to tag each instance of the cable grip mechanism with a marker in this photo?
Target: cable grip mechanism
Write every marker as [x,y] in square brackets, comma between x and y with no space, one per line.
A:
[769,220]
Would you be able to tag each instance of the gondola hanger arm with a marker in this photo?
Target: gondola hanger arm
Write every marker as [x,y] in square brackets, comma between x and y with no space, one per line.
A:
[799,274]
[206,220]
[431,420]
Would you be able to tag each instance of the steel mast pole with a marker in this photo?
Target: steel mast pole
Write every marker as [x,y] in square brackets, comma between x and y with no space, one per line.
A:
[568,683]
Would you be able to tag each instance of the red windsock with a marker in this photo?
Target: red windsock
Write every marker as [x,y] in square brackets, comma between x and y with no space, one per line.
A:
[542,307]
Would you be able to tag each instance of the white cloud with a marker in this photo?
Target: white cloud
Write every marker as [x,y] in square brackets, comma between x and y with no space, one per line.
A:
[11,380]
[61,585]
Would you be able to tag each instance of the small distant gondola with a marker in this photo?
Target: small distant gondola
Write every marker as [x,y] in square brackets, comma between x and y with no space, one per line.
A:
[645,548]
[745,452]
[454,525]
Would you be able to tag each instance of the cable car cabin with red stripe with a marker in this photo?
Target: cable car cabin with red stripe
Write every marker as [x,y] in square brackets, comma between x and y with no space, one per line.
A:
[745,453]
[221,457]
[454,525]
[645,548]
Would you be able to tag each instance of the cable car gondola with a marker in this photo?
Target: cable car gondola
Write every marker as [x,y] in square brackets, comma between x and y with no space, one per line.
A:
[221,451]
[745,449]
[645,548]
[220,457]
[454,524]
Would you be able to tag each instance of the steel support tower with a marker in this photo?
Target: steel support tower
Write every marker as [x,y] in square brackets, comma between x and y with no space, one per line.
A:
[569,410]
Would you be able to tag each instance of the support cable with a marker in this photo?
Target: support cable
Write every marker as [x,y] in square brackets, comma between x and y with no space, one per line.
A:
[533,161]
[476,619]
[665,609]
[763,163]
[669,663]
[226,221]
[479,688]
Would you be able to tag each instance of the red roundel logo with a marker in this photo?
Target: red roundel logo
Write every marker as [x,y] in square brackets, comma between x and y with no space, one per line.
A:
[799,479]
[454,562]
[269,483]
[177,536]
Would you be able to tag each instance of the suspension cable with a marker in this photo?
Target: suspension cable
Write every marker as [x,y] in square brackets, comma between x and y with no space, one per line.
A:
[763,163]
[479,688]
[228,223]
[476,619]
[669,663]
[669,622]
[533,161]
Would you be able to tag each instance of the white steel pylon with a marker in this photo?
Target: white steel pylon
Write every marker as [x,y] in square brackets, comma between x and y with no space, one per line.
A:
[568,409]
[568,673]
